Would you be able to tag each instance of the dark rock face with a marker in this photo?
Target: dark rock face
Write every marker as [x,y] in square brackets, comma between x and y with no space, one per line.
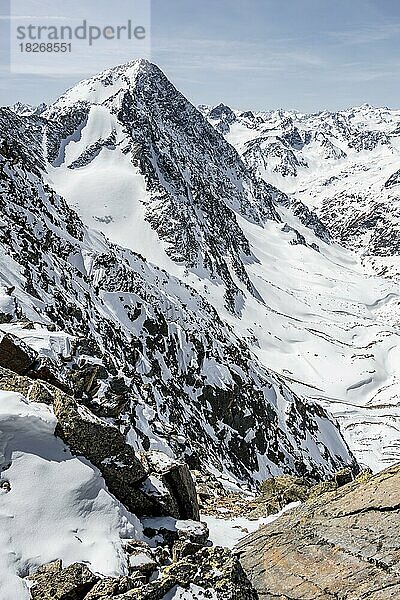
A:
[224,117]
[368,140]
[16,355]
[181,499]
[343,544]
[393,180]
[374,222]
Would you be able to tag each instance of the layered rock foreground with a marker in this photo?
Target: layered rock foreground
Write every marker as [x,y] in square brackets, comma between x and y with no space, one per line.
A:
[343,545]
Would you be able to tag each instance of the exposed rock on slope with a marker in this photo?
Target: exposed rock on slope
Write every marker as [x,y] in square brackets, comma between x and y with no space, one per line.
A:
[189,181]
[140,487]
[344,544]
[343,348]
[210,573]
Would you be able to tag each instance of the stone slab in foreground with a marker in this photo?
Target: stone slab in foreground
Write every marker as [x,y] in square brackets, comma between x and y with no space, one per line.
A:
[344,545]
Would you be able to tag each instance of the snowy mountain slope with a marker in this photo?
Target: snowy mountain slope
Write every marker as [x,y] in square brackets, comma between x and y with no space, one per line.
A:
[332,331]
[154,148]
[342,165]
[173,374]
[138,162]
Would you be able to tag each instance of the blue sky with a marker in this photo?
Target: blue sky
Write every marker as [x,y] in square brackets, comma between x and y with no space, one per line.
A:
[305,54]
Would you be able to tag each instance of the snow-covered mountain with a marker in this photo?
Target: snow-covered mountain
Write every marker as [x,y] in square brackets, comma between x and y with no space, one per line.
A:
[27,110]
[140,163]
[178,378]
[343,165]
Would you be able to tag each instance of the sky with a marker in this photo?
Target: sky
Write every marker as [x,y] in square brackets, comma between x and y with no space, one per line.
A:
[250,54]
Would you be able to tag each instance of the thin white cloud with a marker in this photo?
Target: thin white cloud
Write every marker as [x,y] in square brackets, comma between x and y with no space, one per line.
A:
[227,55]
[366,35]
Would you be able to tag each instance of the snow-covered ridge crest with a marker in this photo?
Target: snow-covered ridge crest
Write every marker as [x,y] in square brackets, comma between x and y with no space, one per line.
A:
[105,85]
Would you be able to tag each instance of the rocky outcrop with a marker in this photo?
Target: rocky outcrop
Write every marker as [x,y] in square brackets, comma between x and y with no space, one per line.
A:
[33,390]
[16,355]
[143,488]
[393,180]
[211,569]
[214,571]
[157,485]
[109,587]
[52,582]
[104,445]
[278,492]
[343,544]
[179,496]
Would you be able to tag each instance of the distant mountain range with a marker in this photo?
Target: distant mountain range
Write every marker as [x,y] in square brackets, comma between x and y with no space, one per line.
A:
[343,165]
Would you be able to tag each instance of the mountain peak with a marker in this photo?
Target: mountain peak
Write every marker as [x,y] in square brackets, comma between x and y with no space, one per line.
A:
[27,110]
[102,86]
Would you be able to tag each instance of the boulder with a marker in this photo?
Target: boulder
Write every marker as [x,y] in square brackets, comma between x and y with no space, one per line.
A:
[343,544]
[212,568]
[142,560]
[110,587]
[52,567]
[321,488]
[33,390]
[217,571]
[177,490]
[71,583]
[166,531]
[183,548]
[340,478]
[105,446]
[277,492]
[16,355]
